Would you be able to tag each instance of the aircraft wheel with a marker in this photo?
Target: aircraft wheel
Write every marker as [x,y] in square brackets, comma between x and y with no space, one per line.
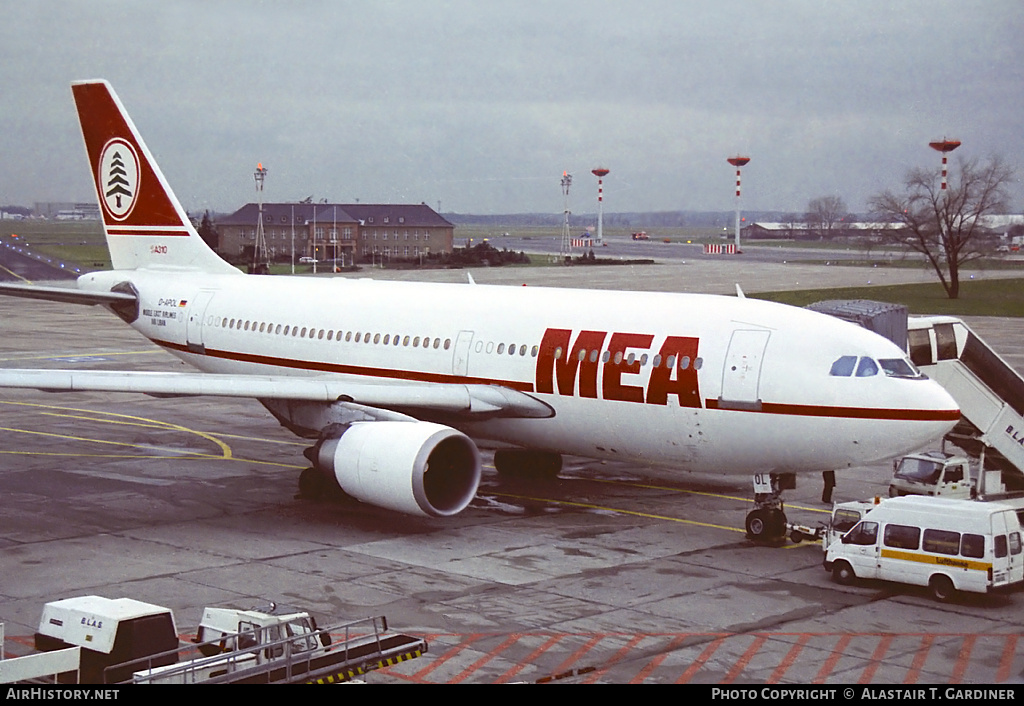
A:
[942,588]
[842,573]
[758,525]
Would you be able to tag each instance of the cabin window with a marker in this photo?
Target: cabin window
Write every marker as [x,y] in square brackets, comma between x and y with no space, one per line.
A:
[941,542]
[972,545]
[865,534]
[902,536]
[999,546]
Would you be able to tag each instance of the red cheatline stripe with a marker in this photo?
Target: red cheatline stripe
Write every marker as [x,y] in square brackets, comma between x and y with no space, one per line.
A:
[413,375]
[802,410]
[421,376]
[148,232]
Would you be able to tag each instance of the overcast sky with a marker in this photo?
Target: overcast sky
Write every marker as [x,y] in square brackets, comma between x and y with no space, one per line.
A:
[481,105]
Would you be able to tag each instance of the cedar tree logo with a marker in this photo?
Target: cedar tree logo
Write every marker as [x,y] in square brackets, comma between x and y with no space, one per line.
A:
[118,178]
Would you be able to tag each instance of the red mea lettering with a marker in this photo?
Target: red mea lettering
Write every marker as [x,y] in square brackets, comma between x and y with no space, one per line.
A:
[684,385]
[612,388]
[564,368]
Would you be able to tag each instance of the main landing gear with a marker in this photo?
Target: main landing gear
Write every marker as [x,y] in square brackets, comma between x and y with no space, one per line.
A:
[766,523]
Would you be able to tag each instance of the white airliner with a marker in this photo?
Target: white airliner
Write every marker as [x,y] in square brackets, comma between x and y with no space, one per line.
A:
[401,382]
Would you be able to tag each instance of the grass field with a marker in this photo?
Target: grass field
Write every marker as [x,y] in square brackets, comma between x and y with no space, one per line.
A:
[82,243]
[990,297]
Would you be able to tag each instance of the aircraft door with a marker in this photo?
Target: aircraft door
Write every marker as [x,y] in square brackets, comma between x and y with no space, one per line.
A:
[460,357]
[742,372]
[194,322]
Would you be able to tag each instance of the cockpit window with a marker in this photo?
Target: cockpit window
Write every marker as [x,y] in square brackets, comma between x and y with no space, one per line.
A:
[899,368]
[843,368]
[866,368]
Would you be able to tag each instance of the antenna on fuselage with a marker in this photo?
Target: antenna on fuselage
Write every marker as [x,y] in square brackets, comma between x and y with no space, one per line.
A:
[739,292]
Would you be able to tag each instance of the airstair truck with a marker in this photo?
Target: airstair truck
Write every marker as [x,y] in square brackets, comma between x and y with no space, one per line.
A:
[989,391]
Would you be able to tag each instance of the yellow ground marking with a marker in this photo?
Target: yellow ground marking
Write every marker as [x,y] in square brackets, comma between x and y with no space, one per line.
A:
[590,506]
[11,272]
[650,486]
[635,513]
[225,450]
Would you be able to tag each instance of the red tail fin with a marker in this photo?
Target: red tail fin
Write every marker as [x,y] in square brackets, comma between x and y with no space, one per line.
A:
[144,223]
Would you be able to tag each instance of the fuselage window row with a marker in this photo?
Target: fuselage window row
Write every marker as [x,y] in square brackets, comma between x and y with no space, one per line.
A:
[331,335]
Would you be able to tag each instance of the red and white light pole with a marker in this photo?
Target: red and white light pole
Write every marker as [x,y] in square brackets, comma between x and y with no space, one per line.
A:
[600,173]
[945,147]
[738,162]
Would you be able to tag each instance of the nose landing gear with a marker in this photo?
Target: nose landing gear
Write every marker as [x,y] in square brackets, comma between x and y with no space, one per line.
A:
[766,523]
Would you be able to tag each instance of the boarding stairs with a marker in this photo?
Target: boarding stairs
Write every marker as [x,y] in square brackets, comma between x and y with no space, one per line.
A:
[988,390]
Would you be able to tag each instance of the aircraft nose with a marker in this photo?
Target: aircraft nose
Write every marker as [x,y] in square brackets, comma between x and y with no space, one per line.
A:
[937,407]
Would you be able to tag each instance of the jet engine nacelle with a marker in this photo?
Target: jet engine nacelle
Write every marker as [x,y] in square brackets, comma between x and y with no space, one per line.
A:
[418,468]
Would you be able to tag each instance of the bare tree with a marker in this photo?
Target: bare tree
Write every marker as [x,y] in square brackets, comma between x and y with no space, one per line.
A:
[945,225]
[824,214]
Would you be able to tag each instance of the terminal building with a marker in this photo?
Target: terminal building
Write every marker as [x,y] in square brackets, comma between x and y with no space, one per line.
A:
[347,233]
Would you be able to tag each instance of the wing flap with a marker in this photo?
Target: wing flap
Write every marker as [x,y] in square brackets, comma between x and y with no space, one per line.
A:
[468,400]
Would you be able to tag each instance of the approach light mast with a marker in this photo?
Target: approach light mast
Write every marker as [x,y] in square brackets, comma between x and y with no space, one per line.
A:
[738,162]
[600,173]
[945,147]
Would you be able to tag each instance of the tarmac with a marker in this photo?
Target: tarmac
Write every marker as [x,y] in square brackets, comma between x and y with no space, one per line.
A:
[610,573]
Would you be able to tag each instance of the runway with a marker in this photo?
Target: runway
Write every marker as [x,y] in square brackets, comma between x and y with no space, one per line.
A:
[609,574]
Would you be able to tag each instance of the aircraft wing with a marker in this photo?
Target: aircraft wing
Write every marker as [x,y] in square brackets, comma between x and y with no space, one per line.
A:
[462,400]
[64,294]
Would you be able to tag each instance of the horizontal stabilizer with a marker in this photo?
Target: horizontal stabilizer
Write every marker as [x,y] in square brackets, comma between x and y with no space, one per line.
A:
[64,294]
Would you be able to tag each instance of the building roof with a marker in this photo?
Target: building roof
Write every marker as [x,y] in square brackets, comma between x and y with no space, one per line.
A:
[277,214]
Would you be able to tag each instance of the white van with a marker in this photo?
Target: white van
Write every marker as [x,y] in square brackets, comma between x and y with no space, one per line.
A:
[948,545]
